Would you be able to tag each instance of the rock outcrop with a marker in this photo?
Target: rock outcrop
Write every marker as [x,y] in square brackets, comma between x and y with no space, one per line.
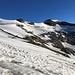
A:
[50,22]
[20,20]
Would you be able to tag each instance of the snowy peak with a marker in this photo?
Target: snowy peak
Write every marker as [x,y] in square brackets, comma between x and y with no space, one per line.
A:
[48,34]
[53,22]
[50,22]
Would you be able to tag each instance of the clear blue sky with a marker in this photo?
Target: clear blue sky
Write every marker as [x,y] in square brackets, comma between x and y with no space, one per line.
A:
[38,10]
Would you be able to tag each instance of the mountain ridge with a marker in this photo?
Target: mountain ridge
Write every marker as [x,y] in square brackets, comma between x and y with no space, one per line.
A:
[50,29]
[36,48]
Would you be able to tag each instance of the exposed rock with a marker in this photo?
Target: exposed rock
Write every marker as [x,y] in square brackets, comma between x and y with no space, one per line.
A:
[55,40]
[70,38]
[36,39]
[68,51]
[32,23]
[20,20]
[20,25]
[64,23]
[50,22]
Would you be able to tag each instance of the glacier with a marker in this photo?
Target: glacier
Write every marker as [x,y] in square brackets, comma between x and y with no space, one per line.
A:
[23,56]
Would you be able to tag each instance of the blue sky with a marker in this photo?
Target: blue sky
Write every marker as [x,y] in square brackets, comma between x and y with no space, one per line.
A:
[38,10]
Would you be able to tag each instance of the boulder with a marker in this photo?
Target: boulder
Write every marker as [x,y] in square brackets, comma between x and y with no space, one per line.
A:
[32,23]
[20,20]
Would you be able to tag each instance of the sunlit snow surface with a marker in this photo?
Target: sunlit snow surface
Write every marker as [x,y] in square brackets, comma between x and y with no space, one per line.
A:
[20,58]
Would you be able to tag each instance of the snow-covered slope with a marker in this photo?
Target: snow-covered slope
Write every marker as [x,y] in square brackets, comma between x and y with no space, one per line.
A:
[33,55]
[10,26]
